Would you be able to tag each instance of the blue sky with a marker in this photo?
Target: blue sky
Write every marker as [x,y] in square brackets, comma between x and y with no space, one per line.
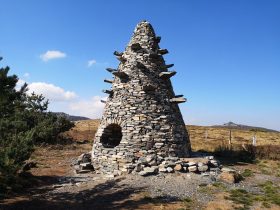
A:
[226,53]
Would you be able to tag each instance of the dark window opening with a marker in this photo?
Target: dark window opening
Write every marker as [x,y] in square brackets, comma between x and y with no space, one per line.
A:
[112,136]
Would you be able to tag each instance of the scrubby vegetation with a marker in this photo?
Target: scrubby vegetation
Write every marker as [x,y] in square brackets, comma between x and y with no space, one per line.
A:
[247,173]
[248,153]
[24,122]
[241,196]
[270,195]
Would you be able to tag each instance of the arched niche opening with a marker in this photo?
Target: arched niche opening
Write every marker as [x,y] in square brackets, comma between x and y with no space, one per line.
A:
[111,136]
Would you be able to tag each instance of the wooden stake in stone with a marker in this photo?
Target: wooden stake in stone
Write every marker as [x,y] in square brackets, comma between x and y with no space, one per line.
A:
[230,136]
[254,140]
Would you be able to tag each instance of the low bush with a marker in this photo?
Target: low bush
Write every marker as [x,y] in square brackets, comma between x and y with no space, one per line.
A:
[248,153]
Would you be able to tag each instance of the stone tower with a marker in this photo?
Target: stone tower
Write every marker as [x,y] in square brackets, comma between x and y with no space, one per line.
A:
[141,116]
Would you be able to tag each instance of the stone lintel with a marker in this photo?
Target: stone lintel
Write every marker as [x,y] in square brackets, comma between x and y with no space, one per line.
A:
[107,91]
[108,81]
[116,53]
[179,96]
[167,74]
[178,100]
[120,74]
[169,65]
[111,70]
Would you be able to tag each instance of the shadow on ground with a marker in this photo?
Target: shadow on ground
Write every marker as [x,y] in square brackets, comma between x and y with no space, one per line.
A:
[108,195]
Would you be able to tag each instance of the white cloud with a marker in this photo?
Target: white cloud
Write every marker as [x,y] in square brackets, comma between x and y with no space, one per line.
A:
[91,108]
[91,62]
[52,54]
[66,101]
[26,75]
[51,92]
[19,84]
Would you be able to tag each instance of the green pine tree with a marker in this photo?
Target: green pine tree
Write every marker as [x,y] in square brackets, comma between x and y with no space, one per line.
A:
[24,122]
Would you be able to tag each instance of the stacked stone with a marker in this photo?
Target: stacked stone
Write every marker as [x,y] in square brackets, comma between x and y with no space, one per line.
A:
[83,164]
[203,165]
[141,116]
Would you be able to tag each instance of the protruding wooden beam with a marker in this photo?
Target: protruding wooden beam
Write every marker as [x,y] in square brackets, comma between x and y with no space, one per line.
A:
[102,101]
[178,96]
[116,53]
[167,74]
[120,74]
[178,100]
[111,70]
[157,39]
[148,87]
[136,47]
[162,51]
[108,81]
[107,91]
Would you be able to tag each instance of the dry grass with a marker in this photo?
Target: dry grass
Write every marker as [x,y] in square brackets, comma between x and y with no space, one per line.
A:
[204,138]
[58,159]
[214,137]
[83,130]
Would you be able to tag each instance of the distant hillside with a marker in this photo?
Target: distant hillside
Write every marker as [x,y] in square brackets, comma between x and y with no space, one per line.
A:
[243,127]
[71,117]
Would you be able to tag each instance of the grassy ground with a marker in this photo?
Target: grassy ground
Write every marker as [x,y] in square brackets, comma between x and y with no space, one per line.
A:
[53,163]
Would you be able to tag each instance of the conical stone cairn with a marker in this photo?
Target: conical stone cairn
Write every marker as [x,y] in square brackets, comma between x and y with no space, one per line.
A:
[141,123]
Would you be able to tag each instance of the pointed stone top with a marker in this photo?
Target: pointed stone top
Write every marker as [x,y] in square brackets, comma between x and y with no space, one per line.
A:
[144,28]
[144,36]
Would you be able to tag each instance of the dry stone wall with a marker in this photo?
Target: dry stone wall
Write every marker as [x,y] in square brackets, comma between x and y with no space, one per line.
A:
[141,119]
